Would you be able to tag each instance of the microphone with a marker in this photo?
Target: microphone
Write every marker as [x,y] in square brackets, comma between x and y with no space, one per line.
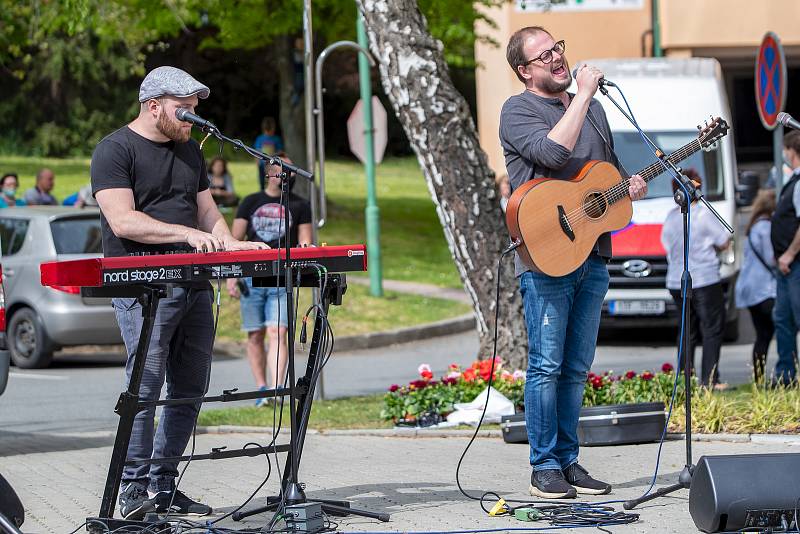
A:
[602,82]
[183,114]
[787,120]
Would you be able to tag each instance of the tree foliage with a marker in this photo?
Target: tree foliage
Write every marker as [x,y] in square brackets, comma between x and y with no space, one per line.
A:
[68,67]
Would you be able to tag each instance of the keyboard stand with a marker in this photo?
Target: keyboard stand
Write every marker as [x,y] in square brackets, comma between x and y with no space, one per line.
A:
[128,405]
[293,493]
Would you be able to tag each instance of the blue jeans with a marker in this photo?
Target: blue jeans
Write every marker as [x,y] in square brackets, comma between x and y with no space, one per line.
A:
[263,306]
[180,352]
[562,315]
[786,315]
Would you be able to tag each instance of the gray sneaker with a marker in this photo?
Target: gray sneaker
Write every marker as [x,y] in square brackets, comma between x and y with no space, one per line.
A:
[133,501]
[550,484]
[179,504]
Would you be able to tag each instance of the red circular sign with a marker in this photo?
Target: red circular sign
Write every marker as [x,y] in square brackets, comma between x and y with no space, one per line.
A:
[770,80]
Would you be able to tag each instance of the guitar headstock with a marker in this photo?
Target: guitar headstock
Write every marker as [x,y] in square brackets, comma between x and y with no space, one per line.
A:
[711,132]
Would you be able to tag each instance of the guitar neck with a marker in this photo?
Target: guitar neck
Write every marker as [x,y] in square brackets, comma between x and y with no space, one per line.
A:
[620,190]
[655,169]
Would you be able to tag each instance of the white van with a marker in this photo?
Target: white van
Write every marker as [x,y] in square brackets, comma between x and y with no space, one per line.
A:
[669,99]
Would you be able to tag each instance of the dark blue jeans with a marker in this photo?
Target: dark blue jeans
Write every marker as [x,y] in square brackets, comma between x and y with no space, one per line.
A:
[180,352]
[562,315]
[786,315]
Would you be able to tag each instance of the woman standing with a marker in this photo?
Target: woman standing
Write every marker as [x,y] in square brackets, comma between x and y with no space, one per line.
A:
[707,317]
[755,287]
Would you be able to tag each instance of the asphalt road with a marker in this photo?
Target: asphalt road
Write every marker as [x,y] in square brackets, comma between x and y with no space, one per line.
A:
[78,392]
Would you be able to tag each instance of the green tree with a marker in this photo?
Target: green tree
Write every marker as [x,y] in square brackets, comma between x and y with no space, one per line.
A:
[64,65]
[67,68]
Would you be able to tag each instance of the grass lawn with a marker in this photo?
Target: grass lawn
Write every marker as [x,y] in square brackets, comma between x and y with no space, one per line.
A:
[350,412]
[412,241]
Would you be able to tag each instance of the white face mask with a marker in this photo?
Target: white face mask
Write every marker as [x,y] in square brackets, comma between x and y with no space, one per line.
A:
[9,191]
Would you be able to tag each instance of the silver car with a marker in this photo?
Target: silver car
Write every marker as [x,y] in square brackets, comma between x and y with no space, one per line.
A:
[41,320]
[5,358]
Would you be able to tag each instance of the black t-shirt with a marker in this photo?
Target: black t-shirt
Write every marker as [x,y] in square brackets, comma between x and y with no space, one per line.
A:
[165,179]
[265,222]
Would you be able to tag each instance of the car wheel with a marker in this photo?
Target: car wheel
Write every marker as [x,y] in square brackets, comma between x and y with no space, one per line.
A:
[28,342]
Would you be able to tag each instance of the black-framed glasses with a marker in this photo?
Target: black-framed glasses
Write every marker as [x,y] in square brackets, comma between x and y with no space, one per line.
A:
[547,56]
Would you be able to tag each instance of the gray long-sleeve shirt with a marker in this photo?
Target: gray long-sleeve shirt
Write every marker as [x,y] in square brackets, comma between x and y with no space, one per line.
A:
[525,121]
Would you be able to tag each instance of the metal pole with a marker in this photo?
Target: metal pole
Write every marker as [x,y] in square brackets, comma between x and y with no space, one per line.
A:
[657,51]
[311,159]
[308,88]
[372,212]
[777,155]
[319,111]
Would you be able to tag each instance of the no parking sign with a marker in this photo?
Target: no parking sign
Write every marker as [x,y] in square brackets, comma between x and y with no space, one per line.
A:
[770,80]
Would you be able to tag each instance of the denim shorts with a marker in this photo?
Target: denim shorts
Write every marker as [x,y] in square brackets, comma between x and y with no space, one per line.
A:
[264,306]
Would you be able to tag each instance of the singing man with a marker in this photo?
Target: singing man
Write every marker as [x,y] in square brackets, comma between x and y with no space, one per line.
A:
[547,132]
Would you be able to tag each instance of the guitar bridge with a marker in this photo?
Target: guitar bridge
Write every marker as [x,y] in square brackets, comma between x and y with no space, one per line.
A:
[565,226]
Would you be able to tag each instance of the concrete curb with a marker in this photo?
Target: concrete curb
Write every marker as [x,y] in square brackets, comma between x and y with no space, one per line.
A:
[490,433]
[373,340]
[446,327]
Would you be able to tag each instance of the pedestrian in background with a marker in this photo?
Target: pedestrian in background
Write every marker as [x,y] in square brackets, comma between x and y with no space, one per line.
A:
[39,195]
[785,236]
[707,317]
[220,182]
[504,189]
[260,217]
[8,196]
[268,142]
[756,285]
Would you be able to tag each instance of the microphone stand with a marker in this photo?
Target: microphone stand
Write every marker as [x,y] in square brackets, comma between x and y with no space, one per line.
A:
[293,490]
[684,196]
[678,175]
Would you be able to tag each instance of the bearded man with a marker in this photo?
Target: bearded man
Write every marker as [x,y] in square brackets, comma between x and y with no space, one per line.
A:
[150,181]
[547,132]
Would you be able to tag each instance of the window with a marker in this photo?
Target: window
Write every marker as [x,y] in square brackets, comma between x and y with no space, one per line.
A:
[12,235]
[635,156]
[77,235]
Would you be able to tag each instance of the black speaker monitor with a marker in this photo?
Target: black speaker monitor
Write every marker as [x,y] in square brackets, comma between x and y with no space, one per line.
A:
[10,505]
[745,491]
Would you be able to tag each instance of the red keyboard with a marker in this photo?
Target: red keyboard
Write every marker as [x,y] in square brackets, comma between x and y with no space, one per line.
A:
[176,268]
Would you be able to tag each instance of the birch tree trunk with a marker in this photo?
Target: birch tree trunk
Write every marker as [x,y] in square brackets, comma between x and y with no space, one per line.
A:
[438,123]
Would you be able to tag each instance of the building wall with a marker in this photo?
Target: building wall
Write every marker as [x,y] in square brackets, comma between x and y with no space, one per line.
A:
[728,29]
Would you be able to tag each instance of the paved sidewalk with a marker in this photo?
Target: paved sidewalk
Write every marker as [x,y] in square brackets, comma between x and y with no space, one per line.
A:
[60,478]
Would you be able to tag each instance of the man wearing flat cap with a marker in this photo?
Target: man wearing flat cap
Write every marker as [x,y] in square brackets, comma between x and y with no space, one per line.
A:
[150,182]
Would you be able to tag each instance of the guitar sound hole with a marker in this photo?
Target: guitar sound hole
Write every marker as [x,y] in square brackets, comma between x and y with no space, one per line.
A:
[595,205]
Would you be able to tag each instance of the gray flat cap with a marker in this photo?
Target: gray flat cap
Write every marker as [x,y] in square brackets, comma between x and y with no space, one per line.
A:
[170,81]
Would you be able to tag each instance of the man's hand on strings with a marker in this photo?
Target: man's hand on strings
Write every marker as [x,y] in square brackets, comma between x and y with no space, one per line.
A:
[637,188]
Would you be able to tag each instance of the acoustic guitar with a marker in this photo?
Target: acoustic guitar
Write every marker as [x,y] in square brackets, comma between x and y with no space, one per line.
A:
[558,221]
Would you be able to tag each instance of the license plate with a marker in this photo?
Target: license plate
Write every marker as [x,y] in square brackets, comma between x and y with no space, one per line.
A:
[636,307]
